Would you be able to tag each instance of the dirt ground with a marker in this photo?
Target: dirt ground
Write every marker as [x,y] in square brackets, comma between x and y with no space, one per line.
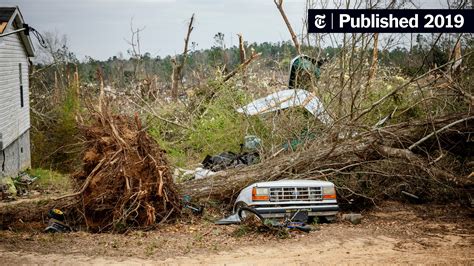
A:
[393,233]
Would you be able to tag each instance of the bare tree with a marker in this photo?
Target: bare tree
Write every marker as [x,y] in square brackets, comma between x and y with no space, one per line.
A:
[279,5]
[178,64]
[243,57]
[242,66]
[135,51]
[373,66]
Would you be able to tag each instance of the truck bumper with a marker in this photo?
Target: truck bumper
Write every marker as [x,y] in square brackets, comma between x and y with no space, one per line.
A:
[282,211]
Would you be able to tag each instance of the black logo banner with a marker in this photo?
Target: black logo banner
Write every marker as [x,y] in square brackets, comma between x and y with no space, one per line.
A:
[390,20]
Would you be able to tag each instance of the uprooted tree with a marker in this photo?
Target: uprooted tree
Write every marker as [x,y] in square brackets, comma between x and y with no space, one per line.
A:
[126,180]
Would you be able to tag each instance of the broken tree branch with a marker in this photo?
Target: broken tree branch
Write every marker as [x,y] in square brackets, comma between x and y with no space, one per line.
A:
[243,57]
[438,131]
[279,5]
[373,66]
[374,154]
[241,66]
[403,86]
[149,109]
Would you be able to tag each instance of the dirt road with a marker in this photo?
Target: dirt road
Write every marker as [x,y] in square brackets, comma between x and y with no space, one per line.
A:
[393,235]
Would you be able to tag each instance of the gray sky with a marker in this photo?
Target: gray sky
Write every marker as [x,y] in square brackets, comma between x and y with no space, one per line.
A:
[98,28]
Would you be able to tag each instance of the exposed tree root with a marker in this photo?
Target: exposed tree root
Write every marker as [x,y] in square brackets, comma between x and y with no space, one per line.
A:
[126,180]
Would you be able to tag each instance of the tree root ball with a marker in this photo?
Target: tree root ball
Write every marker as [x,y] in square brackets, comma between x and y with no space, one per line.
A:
[126,180]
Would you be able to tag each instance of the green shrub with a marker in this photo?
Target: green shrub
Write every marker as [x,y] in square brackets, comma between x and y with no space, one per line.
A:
[50,180]
[220,128]
[54,141]
[216,127]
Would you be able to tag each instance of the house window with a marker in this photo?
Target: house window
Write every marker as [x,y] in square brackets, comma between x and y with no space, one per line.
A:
[22,102]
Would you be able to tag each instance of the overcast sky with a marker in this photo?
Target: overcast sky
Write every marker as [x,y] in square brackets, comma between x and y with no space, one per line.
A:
[98,28]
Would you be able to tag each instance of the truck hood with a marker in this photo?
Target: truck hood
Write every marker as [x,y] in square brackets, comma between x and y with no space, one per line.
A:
[295,183]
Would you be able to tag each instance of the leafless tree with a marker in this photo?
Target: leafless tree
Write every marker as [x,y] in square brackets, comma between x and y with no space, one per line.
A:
[178,63]
[279,5]
[135,51]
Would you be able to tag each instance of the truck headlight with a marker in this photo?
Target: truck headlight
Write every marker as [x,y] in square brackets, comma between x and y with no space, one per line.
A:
[329,193]
[260,193]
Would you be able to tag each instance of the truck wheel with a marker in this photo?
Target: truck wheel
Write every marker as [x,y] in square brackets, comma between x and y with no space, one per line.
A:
[249,212]
[240,205]
[245,213]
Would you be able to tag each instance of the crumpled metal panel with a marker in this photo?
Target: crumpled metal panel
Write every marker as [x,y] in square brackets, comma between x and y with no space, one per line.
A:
[285,99]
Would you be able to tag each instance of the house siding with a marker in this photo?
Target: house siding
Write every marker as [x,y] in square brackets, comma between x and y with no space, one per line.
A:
[14,119]
[16,157]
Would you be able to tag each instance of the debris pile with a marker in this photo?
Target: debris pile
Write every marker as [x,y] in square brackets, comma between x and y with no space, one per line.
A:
[126,180]
[371,166]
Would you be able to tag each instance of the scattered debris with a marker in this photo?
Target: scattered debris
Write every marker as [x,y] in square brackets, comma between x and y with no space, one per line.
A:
[231,219]
[212,164]
[195,208]
[22,183]
[288,98]
[25,179]
[180,174]
[413,198]
[384,120]
[252,142]
[229,159]
[7,188]
[56,223]
[201,173]
[304,137]
[296,221]
[302,70]
[354,218]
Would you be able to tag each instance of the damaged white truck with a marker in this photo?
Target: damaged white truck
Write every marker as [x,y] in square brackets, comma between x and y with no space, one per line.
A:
[286,203]
[277,199]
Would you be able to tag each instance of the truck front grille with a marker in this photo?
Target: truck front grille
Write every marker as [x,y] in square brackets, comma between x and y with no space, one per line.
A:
[282,194]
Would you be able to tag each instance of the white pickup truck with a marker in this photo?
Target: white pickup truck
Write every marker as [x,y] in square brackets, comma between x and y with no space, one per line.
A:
[278,199]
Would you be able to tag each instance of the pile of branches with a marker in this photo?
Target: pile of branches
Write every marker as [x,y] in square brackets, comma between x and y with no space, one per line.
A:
[427,160]
[126,180]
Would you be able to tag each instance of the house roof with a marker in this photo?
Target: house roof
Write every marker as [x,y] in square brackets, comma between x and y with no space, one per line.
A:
[12,16]
[6,13]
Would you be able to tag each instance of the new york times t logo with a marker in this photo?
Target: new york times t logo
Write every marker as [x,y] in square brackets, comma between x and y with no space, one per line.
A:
[320,21]
[390,20]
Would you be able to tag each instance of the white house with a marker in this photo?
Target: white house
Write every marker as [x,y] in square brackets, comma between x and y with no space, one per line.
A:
[15,50]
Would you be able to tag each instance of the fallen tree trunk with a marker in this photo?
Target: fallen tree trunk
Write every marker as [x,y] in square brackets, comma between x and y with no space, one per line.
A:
[329,160]
[227,183]
[32,213]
